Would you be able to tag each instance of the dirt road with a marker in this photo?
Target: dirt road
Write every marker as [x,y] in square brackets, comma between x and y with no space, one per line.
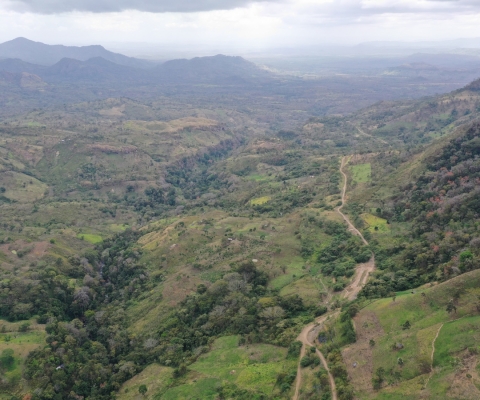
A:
[304,338]
[351,227]
[362,271]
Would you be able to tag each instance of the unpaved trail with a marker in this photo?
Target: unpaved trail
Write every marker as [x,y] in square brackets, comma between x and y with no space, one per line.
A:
[303,337]
[362,271]
[351,227]
[368,135]
[431,358]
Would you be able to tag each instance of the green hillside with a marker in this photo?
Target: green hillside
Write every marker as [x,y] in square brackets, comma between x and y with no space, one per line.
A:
[194,243]
[397,338]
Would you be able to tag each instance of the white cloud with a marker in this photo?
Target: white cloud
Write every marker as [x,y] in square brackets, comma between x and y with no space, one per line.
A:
[249,24]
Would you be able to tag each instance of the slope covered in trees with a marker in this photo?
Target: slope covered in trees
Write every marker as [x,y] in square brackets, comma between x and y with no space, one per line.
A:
[441,206]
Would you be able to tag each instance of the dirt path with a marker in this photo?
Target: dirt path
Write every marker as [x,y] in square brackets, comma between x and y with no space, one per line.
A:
[303,337]
[433,353]
[351,227]
[362,272]
[368,135]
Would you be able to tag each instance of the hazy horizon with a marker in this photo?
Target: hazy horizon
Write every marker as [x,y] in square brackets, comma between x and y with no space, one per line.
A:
[238,25]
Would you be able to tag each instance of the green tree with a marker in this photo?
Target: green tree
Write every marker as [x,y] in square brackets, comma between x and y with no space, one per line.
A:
[142,390]
[6,358]
[451,307]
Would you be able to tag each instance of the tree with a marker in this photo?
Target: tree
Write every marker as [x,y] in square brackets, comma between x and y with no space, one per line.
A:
[406,325]
[142,390]
[451,307]
[6,358]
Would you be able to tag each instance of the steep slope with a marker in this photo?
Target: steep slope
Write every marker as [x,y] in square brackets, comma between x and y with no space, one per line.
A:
[431,201]
[419,344]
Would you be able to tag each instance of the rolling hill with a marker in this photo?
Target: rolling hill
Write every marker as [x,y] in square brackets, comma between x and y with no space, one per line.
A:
[184,242]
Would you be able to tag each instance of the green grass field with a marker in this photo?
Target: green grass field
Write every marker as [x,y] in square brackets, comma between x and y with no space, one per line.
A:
[361,173]
[260,200]
[155,377]
[376,224]
[90,237]
[250,367]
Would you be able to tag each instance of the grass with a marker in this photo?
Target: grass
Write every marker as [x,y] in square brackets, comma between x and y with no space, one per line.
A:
[212,276]
[306,287]
[260,200]
[22,188]
[257,178]
[196,390]
[425,309]
[376,224]
[252,367]
[90,237]
[465,331]
[22,343]
[155,377]
[361,173]
[293,272]
[117,228]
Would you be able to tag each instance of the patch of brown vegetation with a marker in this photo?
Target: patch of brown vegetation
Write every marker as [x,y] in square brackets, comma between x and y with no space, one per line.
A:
[27,152]
[367,327]
[34,250]
[466,380]
[263,146]
[178,287]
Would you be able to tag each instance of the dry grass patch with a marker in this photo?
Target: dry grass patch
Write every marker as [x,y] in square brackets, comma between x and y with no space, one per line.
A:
[367,328]
[22,188]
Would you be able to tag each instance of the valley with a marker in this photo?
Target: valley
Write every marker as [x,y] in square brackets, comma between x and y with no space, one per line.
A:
[225,232]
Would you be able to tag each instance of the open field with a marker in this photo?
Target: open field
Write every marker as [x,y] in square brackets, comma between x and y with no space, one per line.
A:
[361,173]
[376,224]
[250,367]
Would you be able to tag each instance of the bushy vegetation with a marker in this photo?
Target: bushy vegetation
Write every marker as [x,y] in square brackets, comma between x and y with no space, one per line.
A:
[443,210]
[139,237]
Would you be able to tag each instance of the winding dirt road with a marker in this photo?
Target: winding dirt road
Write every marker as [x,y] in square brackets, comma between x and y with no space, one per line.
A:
[362,272]
[305,339]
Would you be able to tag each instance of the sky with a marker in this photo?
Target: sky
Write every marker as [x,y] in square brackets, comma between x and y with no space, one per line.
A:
[234,24]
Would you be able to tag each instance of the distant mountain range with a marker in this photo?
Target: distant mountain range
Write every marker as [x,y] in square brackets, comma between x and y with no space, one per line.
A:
[94,64]
[44,54]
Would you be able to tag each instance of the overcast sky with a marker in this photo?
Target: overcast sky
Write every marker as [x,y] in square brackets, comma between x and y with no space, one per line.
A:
[237,23]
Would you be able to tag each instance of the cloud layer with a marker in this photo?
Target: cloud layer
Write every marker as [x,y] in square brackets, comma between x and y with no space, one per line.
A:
[229,24]
[104,6]
[341,9]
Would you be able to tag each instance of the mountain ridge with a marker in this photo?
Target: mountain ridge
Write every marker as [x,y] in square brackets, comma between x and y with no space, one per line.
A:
[47,55]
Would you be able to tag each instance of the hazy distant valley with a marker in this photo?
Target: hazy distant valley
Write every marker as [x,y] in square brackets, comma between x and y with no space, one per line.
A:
[217,228]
